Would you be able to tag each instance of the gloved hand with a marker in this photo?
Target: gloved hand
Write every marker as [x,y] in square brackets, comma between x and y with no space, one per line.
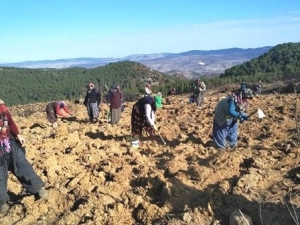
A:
[244,117]
[155,128]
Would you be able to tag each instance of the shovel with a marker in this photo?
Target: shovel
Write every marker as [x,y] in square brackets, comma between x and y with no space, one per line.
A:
[161,138]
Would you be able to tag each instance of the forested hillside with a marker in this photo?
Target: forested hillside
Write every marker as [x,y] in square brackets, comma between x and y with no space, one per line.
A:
[281,63]
[23,86]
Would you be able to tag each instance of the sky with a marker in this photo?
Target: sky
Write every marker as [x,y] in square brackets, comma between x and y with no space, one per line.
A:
[33,30]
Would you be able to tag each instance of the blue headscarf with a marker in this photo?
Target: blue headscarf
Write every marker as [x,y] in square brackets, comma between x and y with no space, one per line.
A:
[150,99]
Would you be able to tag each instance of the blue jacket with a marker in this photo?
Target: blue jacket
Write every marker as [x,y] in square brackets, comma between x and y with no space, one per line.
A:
[226,110]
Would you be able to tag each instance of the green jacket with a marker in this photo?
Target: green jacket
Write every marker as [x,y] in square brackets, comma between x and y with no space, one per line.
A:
[158,101]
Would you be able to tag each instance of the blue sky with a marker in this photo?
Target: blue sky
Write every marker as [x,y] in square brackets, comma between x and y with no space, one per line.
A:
[33,30]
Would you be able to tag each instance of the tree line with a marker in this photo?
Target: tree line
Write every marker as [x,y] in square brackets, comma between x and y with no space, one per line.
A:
[23,86]
[282,62]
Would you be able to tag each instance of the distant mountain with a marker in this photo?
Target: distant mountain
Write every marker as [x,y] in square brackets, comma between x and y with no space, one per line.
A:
[207,63]
[188,64]
[63,63]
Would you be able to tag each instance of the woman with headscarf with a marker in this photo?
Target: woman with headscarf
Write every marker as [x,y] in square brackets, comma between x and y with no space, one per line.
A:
[92,101]
[114,100]
[227,113]
[170,95]
[54,109]
[199,91]
[143,117]
[13,159]
[148,89]
[171,92]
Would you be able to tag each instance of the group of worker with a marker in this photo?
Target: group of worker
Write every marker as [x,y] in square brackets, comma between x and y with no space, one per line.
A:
[229,112]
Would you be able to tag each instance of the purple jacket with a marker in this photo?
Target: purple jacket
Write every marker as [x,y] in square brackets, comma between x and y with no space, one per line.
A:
[114,98]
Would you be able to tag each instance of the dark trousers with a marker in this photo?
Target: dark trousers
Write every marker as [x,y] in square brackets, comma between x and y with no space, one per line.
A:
[16,162]
[51,114]
[93,110]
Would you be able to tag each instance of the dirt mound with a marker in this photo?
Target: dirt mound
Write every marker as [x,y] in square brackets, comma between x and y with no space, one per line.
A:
[93,175]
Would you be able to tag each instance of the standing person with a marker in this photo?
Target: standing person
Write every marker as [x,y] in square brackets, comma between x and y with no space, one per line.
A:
[143,116]
[256,88]
[227,113]
[12,158]
[92,101]
[198,94]
[243,86]
[148,89]
[158,100]
[171,94]
[114,100]
[53,110]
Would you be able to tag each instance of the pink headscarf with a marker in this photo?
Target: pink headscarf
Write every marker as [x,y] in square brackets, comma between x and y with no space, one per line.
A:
[241,102]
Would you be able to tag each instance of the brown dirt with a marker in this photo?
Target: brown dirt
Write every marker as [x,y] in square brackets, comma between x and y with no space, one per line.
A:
[93,175]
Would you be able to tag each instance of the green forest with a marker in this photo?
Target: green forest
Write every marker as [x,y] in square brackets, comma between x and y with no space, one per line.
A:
[20,86]
[23,86]
[282,62]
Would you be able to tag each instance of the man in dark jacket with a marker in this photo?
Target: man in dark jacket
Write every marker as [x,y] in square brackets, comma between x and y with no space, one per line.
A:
[92,101]
[114,100]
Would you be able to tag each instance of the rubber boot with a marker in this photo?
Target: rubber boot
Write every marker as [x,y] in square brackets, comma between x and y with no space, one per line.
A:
[42,193]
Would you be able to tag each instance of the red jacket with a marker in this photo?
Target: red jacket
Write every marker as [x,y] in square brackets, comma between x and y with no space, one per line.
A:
[12,127]
[59,105]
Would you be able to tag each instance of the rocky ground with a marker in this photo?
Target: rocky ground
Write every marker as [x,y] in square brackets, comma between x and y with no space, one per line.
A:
[94,176]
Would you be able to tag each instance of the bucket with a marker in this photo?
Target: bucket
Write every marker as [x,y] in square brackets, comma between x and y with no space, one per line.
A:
[135,144]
